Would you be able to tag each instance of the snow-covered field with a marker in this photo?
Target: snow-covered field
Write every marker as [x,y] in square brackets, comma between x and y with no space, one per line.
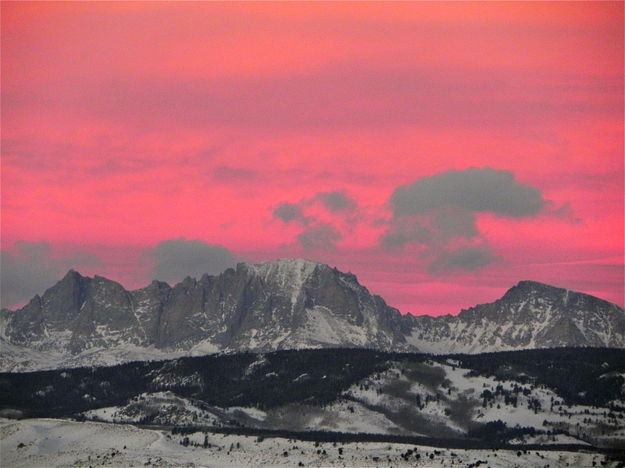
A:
[54,443]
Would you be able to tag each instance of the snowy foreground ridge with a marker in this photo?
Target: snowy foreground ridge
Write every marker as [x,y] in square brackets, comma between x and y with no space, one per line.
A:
[287,304]
[51,443]
[369,408]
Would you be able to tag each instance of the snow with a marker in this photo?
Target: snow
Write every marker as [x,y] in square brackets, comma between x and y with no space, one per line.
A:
[49,442]
[14,358]
[319,326]
[456,403]
[5,318]
[254,413]
[351,416]
[203,348]
[54,443]
[548,439]
[162,408]
[288,273]
[324,327]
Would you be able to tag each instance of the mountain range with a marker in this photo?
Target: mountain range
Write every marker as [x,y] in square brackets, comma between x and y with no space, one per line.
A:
[287,304]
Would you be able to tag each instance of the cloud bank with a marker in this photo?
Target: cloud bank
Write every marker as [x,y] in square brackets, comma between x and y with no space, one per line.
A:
[438,214]
[32,267]
[175,259]
[473,190]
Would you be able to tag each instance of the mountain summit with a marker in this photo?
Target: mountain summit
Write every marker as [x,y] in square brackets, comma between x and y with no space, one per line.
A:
[287,304]
[529,315]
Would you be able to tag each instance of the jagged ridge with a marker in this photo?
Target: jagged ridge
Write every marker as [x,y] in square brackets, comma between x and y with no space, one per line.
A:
[281,305]
[529,315]
[288,304]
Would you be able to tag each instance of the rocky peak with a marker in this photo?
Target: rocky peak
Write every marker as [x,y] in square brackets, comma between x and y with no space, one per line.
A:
[284,272]
[529,315]
[61,303]
[539,295]
[532,289]
[292,304]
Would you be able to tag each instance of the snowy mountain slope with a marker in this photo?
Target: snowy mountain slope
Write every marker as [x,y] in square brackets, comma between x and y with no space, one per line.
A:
[530,315]
[287,304]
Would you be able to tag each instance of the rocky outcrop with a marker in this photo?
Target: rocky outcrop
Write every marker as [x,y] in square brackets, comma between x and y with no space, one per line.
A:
[288,304]
[529,315]
[282,305]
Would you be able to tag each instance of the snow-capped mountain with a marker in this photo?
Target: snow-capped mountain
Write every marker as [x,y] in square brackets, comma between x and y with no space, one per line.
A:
[529,315]
[288,304]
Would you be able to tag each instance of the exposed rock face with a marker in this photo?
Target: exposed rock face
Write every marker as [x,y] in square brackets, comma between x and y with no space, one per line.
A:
[281,305]
[529,315]
[288,304]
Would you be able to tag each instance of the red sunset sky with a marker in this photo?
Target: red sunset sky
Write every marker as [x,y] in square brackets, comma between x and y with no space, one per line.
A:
[442,152]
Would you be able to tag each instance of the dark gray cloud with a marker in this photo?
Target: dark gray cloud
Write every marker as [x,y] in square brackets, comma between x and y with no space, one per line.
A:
[33,267]
[433,229]
[289,212]
[442,207]
[440,211]
[336,201]
[466,258]
[473,190]
[176,259]
[452,222]
[318,234]
[407,231]
[319,237]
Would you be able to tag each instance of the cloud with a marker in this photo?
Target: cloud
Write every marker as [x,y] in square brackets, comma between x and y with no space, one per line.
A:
[453,222]
[229,174]
[317,232]
[289,212]
[436,209]
[435,228]
[473,190]
[438,213]
[176,259]
[33,267]
[336,201]
[320,237]
[407,231]
[466,258]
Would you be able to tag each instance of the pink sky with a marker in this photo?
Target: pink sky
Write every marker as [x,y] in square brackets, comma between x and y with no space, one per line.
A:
[128,124]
